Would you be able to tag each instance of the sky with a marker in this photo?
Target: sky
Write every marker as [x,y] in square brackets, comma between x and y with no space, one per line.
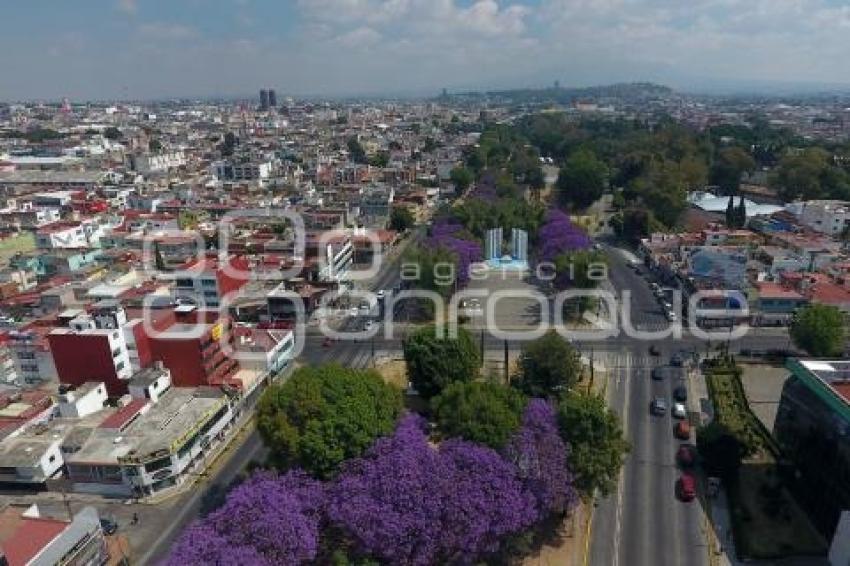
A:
[143,49]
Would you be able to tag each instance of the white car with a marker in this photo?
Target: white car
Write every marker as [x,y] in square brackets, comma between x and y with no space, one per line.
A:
[380,293]
[368,326]
[679,411]
[671,316]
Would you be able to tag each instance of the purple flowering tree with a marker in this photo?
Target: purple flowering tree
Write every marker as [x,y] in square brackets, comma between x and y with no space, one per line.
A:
[446,233]
[407,502]
[559,235]
[268,519]
[540,455]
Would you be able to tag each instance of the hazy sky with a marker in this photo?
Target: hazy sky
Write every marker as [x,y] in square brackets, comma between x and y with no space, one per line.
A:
[157,48]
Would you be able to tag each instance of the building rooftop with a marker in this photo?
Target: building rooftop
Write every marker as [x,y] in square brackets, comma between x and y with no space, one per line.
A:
[163,428]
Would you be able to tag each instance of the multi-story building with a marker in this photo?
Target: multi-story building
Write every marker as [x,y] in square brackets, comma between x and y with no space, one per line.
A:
[150,445]
[192,351]
[28,538]
[147,163]
[242,171]
[205,282]
[30,352]
[93,347]
[812,428]
[829,217]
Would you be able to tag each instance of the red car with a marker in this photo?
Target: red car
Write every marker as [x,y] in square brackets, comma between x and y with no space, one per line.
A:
[687,487]
[683,430]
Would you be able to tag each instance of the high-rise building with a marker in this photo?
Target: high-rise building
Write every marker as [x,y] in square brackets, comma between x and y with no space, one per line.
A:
[264,99]
[272,98]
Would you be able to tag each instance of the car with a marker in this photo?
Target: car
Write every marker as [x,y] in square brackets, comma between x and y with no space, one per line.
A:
[682,430]
[680,393]
[658,406]
[686,455]
[677,360]
[368,326]
[353,311]
[680,411]
[671,316]
[686,487]
[364,307]
[653,351]
[108,526]
[381,294]
[657,374]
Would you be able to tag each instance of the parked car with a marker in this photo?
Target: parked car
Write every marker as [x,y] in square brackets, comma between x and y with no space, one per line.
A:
[679,411]
[657,374]
[686,455]
[687,487]
[658,406]
[680,393]
[677,360]
[368,325]
[671,316]
[653,351]
[381,294]
[682,430]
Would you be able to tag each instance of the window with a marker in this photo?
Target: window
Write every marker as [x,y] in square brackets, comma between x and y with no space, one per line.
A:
[116,352]
[119,366]
[52,458]
[26,355]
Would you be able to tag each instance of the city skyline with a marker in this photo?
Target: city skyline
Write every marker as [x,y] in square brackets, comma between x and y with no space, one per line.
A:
[148,49]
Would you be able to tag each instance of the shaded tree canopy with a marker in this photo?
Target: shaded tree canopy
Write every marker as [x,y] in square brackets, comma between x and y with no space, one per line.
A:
[321,416]
[595,437]
[819,330]
[485,413]
[548,366]
[435,362]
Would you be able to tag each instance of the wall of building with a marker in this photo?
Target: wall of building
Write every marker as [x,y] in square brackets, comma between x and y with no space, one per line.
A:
[82,357]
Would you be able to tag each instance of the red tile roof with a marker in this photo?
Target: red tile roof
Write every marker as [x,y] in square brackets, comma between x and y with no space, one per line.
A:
[29,537]
[119,419]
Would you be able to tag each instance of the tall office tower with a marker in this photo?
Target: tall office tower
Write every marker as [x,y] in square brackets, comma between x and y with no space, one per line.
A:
[272,98]
[264,99]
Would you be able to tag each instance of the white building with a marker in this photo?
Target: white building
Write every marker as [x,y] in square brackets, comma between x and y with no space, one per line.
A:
[247,171]
[829,217]
[147,164]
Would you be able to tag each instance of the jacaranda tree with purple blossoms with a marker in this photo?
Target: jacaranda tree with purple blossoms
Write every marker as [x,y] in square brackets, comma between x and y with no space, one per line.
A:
[559,236]
[540,455]
[268,519]
[407,502]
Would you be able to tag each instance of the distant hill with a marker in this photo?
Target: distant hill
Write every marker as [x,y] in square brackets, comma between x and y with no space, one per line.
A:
[567,95]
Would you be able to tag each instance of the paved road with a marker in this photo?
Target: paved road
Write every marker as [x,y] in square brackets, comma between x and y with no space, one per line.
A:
[641,523]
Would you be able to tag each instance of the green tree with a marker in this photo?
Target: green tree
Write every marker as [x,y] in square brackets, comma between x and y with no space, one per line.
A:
[112,133]
[819,330]
[461,177]
[730,164]
[486,413]
[434,362]
[548,366]
[401,219]
[356,151]
[741,214]
[582,180]
[721,451]
[325,415]
[595,437]
[730,212]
